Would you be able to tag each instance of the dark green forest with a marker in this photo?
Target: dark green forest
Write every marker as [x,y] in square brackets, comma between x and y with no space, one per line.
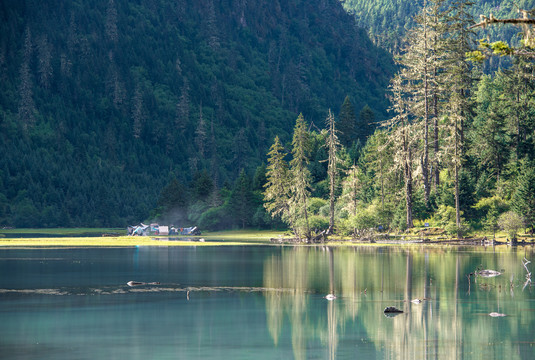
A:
[114,112]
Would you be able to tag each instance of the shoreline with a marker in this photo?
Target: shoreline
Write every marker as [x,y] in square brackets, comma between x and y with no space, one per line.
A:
[61,238]
[146,241]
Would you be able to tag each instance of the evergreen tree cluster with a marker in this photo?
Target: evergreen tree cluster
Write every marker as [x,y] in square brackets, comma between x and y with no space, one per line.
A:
[105,103]
[458,151]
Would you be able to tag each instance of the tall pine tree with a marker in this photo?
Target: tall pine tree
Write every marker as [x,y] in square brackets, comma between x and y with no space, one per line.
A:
[300,184]
[346,123]
[277,187]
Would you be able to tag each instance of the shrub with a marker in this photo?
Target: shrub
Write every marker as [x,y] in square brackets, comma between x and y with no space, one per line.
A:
[364,220]
[315,204]
[511,223]
[318,223]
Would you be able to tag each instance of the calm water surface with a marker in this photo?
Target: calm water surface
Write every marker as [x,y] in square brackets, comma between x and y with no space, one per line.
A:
[264,302]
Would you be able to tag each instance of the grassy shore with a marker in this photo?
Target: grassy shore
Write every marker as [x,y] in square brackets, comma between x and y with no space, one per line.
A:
[91,237]
[118,238]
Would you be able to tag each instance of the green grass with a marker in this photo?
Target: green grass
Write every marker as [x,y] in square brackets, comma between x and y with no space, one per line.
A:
[64,231]
[89,237]
[243,235]
[75,238]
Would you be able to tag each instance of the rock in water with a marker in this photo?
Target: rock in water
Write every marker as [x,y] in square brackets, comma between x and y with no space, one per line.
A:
[392,309]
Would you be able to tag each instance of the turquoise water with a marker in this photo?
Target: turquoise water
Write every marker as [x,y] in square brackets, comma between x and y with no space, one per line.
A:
[264,302]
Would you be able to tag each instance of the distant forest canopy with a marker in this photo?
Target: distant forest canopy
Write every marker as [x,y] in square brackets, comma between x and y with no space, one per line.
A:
[387,21]
[108,108]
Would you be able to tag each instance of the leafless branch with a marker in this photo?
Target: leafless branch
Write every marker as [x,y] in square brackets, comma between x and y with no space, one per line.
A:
[492,20]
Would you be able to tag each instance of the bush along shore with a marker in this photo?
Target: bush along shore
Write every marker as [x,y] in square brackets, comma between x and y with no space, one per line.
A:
[435,236]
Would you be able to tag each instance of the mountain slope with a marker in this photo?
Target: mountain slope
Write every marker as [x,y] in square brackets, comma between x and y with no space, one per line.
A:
[102,102]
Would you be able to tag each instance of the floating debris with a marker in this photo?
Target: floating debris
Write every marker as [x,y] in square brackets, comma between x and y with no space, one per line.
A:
[488,273]
[330,297]
[137,283]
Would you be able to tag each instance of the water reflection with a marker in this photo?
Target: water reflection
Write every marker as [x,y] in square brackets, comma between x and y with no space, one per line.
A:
[450,322]
[265,302]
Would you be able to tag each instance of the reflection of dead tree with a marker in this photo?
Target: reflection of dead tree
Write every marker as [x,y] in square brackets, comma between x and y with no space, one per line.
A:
[525,263]
[512,285]
[469,282]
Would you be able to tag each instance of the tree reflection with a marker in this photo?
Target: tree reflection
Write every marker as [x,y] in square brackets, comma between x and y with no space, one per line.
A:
[449,322]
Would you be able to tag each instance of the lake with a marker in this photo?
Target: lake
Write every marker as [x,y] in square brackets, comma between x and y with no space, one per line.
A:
[265,302]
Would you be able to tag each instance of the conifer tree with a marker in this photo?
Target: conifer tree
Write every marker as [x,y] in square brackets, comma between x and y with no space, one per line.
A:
[523,201]
[300,184]
[346,123]
[436,12]
[44,57]
[365,124]
[138,115]
[173,197]
[26,108]
[211,26]
[378,157]
[422,64]
[350,189]
[518,107]
[277,187]
[332,145]
[183,109]
[240,148]
[200,134]
[417,61]
[458,81]
[402,133]
[111,22]
[488,135]
[241,199]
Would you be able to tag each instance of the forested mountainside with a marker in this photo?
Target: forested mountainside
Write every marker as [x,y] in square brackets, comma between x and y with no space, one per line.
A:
[105,103]
[387,21]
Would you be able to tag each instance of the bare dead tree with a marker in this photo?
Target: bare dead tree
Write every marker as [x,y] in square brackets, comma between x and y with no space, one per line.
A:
[525,263]
[526,22]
